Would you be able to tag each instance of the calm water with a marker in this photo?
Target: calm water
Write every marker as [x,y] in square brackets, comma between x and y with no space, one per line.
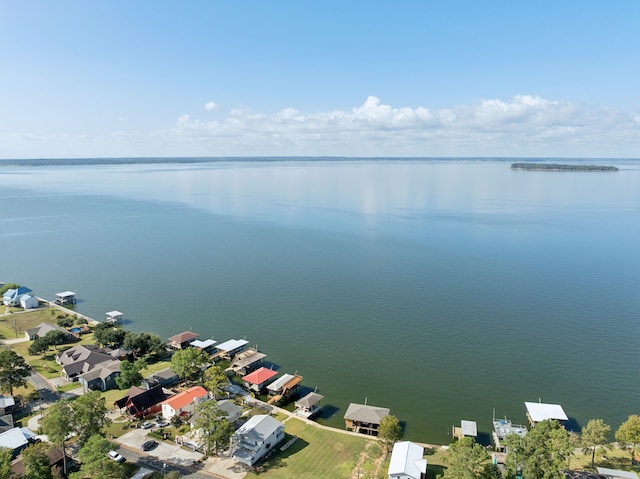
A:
[440,289]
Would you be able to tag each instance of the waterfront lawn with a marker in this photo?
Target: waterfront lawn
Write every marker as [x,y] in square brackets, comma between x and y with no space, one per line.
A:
[318,454]
[26,320]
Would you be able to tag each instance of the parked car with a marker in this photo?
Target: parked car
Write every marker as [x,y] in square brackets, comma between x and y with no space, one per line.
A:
[148,445]
[116,456]
[147,425]
[162,423]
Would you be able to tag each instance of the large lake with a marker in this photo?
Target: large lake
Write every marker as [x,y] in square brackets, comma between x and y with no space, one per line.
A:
[442,289]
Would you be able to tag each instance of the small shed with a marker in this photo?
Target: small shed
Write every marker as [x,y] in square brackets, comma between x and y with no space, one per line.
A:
[466,429]
[364,419]
[66,297]
[309,405]
[114,317]
[538,411]
[182,340]
[230,348]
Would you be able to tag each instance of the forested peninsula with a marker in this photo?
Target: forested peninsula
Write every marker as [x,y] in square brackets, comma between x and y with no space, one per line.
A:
[557,167]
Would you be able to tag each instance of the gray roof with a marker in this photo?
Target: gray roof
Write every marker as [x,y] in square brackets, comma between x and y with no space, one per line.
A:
[13,439]
[364,413]
[258,429]
[43,328]
[309,400]
[616,473]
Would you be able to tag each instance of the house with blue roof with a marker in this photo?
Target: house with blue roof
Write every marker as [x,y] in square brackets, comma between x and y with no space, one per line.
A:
[12,296]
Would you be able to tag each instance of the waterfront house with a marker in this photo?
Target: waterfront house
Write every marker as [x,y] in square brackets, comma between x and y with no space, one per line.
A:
[364,419]
[114,317]
[165,377]
[259,379]
[466,429]
[284,387]
[184,403]
[308,406]
[11,297]
[143,402]
[182,340]
[407,461]
[229,349]
[247,361]
[538,411]
[28,301]
[256,438]
[66,297]
[42,329]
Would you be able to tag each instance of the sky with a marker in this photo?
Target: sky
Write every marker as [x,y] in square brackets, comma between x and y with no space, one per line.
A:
[116,78]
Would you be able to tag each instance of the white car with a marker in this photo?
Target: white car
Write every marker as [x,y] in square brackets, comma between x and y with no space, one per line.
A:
[116,456]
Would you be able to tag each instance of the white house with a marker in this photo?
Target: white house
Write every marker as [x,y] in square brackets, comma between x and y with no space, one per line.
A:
[256,438]
[184,403]
[407,461]
[28,301]
[12,297]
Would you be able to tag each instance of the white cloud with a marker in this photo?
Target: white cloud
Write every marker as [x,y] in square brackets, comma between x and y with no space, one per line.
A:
[524,125]
[211,106]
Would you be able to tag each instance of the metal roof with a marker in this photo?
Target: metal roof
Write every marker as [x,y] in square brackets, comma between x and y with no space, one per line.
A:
[469,428]
[540,411]
[615,473]
[232,344]
[407,460]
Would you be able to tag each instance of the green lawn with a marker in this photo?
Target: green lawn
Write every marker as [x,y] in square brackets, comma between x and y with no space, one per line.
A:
[20,321]
[317,454]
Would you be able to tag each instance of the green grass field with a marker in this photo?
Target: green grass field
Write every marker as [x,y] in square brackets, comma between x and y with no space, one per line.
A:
[317,454]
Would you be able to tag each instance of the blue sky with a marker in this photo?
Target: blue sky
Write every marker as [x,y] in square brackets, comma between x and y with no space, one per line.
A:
[337,78]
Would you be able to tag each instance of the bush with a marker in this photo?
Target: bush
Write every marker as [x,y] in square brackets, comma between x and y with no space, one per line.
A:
[64,321]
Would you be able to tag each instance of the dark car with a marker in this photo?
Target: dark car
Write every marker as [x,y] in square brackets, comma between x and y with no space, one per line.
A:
[148,445]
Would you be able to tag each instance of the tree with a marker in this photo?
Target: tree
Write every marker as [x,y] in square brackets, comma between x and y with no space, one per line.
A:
[65,321]
[55,338]
[6,455]
[469,460]
[215,378]
[89,415]
[628,435]
[57,424]
[14,370]
[541,454]
[188,363]
[130,373]
[108,334]
[390,430]
[214,429]
[95,462]
[39,346]
[595,434]
[36,462]
[143,344]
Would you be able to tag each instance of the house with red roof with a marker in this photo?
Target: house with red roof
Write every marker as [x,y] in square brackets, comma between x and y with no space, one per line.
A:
[184,403]
[259,379]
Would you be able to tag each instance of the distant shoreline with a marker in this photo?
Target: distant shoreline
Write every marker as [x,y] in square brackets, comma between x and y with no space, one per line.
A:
[559,167]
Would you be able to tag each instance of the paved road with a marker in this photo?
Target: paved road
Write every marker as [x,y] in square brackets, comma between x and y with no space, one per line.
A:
[47,393]
[152,462]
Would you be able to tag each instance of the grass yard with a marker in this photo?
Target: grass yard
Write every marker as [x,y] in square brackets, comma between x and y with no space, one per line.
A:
[317,454]
[26,320]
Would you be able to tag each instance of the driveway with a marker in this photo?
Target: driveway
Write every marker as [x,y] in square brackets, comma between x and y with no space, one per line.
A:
[168,452]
